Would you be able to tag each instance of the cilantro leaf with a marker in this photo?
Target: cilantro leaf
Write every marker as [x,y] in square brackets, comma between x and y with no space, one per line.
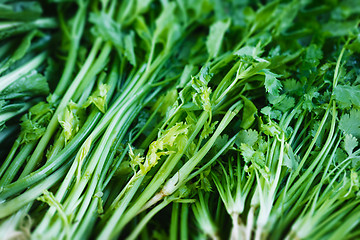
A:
[350,143]
[216,35]
[249,137]
[347,95]
[272,83]
[350,124]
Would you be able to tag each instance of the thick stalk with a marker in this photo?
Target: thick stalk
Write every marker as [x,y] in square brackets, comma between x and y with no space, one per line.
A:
[237,232]
[249,223]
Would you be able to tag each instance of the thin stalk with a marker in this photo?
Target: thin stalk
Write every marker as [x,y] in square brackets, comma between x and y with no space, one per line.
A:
[87,223]
[78,28]
[10,156]
[212,160]
[9,207]
[52,126]
[57,146]
[350,223]
[16,163]
[184,221]
[336,217]
[111,230]
[120,128]
[11,77]
[181,176]
[323,150]
[174,223]
[311,145]
[107,230]
[134,234]
[96,67]
[223,89]
[60,193]
[54,163]
[105,143]
[12,223]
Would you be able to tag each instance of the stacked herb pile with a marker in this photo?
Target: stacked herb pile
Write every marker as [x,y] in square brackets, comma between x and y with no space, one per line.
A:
[179,119]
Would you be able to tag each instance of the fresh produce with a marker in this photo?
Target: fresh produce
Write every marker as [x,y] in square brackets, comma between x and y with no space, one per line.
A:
[179,119]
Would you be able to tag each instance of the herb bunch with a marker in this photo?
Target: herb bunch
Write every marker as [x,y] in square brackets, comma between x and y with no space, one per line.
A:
[182,119]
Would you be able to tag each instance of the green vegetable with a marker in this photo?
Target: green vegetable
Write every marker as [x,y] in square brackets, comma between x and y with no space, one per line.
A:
[179,119]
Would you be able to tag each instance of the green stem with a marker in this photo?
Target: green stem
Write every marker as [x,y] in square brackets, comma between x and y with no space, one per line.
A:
[53,124]
[13,222]
[102,150]
[112,230]
[181,177]
[9,207]
[60,193]
[46,23]
[10,156]
[107,230]
[56,147]
[311,145]
[134,234]
[16,163]
[120,127]
[54,163]
[323,150]
[184,221]
[174,230]
[78,25]
[11,77]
